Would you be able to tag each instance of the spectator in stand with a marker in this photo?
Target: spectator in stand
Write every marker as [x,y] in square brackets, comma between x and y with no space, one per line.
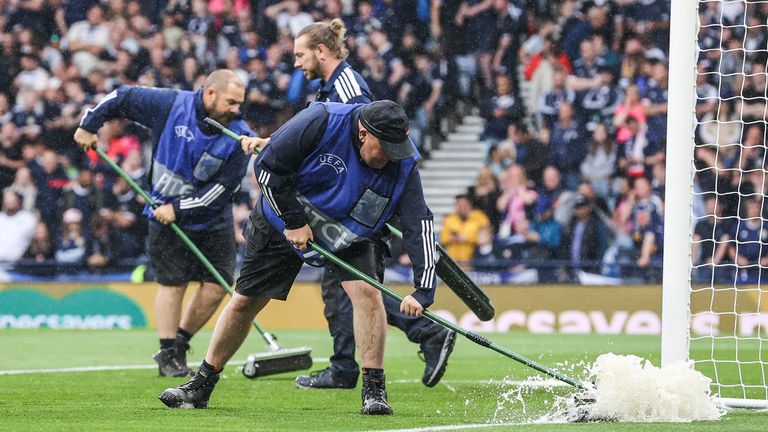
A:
[10,153]
[487,257]
[597,203]
[28,115]
[599,166]
[17,227]
[460,229]
[710,244]
[515,201]
[587,65]
[630,107]
[394,71]
[415,90]
[24,187]
[50,179]
[550,232]
[82,194]
[41,247]
[476,18]
[503,108]
[600,102]
[289,17]
[5,108]
[363,24]
[500,157]
[721,127]
[631,154]
[583,235]
[484,195]
[747,247]
[262,95]
[541,69]
[550,101]
[707,97]
[568,145]
[32,77]
[100,248]
[648,238]
[524,243]
[508,34]
[70,248]
[531,153]
[538,48]
[655,102]
[124,209]
[436,106]
[87,39]
[644,196]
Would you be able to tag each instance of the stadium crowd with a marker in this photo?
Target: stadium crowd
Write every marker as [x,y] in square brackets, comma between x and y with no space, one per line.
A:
[574,95]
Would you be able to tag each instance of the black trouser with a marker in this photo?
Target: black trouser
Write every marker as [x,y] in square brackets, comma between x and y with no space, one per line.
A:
[338,312]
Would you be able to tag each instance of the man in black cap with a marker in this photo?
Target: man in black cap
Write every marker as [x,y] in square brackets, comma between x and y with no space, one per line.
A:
[334,174]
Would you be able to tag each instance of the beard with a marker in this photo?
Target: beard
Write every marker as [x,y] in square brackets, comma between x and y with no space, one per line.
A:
[313,73]
[223,117]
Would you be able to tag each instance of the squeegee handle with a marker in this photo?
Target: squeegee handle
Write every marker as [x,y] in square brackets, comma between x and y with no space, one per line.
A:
[184,238]
[474,337]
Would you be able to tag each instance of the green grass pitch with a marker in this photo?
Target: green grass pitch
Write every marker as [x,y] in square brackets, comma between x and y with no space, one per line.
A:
[126,399]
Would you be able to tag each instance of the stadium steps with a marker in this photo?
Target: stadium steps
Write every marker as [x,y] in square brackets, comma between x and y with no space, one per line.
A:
[453,167]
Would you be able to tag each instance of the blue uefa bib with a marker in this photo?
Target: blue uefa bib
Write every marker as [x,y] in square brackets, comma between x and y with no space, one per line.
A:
[344,199]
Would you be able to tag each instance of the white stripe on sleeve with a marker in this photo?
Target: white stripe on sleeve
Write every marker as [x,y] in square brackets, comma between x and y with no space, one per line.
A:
[356,91]
[343,94]
[263,180]
[428,245]
[203,201]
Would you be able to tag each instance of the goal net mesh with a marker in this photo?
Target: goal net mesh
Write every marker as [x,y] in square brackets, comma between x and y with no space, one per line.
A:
[729,232]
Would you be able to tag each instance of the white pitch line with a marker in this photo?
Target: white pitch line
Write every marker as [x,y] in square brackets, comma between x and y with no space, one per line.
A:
[75,369]
[451,427]
[106,368]
[549,383]
[446,383]
[525,383]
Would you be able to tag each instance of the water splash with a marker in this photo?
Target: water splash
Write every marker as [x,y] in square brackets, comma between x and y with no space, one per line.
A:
[627,389]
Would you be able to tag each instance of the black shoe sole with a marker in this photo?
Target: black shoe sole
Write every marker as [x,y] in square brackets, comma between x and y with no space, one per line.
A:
[171,401]
[378,410]
[305,387]
[442,362]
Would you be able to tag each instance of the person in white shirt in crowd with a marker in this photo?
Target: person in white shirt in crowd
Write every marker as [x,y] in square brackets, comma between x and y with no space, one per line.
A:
[17,226]
[86,40]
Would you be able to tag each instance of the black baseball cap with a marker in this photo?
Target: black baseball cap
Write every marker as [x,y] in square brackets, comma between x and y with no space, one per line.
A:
[387,121]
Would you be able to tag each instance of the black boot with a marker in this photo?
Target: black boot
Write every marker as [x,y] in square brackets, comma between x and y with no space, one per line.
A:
[172,362]
[326,379]
[194,394]
[375,393]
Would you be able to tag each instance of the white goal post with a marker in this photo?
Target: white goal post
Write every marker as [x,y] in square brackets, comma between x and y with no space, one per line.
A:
[722,324]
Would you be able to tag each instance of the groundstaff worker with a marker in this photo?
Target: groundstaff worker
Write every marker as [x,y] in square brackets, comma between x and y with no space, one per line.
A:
[320,53]
[333,174]
[195,171]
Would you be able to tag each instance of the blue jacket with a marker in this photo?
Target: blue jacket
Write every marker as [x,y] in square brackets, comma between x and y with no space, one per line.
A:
[312,173]
[195,167]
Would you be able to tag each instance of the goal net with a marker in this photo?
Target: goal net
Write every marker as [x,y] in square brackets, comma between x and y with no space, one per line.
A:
[715,310]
